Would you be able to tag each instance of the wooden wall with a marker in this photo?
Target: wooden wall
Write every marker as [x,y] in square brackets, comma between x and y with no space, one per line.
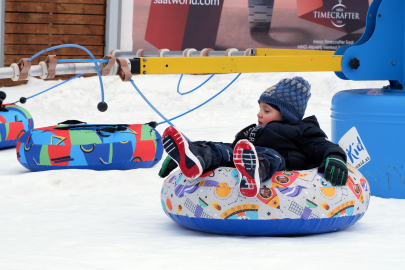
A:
[34,25]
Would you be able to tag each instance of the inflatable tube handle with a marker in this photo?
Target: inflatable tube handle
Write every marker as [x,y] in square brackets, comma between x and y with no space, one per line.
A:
[102,135]
[152,124]
[111,129]
[119,126]
[71,122]
[2,98]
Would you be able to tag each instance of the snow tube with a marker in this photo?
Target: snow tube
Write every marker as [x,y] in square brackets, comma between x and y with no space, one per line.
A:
[96,147]
[14,121]
[291,203]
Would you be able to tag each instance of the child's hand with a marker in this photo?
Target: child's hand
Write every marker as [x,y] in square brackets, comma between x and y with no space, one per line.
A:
[167,166]
[335,170]
[243,134]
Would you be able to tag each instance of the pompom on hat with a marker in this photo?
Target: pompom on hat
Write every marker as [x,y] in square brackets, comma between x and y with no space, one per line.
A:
[290,96]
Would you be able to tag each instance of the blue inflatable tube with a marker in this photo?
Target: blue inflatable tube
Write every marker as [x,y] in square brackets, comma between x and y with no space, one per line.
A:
[291,203]
[95,147]
[14,121]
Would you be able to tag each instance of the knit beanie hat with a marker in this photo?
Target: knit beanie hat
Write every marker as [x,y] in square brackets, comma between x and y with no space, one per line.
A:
[290,96]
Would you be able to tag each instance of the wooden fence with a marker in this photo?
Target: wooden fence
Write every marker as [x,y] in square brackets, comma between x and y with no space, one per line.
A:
[34,25]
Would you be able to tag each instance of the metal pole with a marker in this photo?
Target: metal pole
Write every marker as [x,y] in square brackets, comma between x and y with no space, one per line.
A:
[128,54]
[113,26]
[61,69]
[118,30]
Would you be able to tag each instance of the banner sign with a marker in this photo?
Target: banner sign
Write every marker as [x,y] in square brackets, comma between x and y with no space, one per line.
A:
[241,24]
[346,16]
[180,24]
[356,152]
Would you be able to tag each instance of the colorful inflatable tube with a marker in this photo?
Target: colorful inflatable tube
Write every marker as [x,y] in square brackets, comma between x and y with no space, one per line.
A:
[14,121]
[96,147]
[291,203]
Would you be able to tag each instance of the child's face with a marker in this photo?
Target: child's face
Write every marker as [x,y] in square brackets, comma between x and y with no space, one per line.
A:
[267,114]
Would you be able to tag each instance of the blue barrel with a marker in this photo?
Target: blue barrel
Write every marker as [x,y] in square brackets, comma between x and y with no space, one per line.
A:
[379,117]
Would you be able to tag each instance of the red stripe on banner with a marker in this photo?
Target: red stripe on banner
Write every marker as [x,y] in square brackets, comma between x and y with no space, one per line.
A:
[166,24]
[305,6]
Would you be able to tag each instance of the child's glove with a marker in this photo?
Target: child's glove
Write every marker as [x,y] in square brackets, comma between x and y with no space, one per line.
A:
[335,170]
[167,166]
[249,133]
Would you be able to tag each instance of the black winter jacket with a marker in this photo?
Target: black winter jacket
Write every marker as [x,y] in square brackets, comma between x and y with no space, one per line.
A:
[302,144]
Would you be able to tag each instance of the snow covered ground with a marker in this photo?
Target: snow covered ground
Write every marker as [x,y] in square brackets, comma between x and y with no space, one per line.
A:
[83,219]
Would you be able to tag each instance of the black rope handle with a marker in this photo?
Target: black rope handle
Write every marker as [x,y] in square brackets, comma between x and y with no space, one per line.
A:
[123,126]
[152,124]
[112,129]
[2,98]
[71,122]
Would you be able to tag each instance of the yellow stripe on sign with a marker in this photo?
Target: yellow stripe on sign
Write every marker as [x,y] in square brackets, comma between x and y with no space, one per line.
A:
[240,64]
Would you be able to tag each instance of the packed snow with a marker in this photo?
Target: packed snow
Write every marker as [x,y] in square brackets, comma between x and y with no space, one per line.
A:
[84,219]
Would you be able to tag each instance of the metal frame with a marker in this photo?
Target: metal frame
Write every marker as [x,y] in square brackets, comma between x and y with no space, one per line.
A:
[378,55]
[204,62]
[113,26]
[126,25]
[239,64]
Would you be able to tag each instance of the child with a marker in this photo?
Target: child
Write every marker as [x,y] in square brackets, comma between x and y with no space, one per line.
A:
[281,140]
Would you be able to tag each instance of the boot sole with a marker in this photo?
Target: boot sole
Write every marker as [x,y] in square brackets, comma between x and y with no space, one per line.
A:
[178,148]
[252,179]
